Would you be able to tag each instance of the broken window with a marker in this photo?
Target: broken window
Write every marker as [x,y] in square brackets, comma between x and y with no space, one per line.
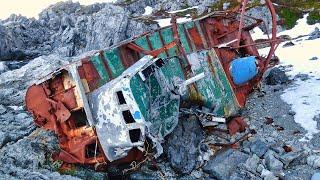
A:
[121,99]
[127,116]
[134,135]
[146,73]
[92,150]
[159,63]
[80,118]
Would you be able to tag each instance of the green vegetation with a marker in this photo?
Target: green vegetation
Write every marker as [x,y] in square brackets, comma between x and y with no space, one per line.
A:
[314,17]
[218,6]
[291,11]
[290,17]
[71,172]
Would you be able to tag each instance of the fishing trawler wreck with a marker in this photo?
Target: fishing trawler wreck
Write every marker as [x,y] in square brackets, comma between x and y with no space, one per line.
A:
[113,107]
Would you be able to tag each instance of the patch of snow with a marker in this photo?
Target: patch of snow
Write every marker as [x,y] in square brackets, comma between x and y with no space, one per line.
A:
[183,10]
[302,28]
[226,5]
[299,56]
[147,11]
[166,21]
[257,33]
[305,100]
[303,96]
[16,108]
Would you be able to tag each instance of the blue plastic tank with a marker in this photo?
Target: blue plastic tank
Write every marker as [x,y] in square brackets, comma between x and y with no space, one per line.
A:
[243,69]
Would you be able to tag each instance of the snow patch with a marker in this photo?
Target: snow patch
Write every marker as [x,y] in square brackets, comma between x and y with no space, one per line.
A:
[166,22]
[302,28]
[147,11]
[257,33]
[183,10]
[16,108]
[304,96]
[305,100]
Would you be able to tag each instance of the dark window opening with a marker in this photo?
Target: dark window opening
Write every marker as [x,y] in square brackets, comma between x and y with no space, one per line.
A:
[80,118]
[148,71]
[128,117]
[121,98]
[134,135]
[152,68]
[160,63]
[92,150]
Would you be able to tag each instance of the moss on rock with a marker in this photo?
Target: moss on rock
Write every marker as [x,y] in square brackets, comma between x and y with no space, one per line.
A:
[314,17]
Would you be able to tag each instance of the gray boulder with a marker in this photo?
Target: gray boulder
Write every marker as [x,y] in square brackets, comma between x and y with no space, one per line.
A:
[68,29]
[262,12]
[26,158]
[314,58]
[225,163]
[13,84]
[276,76]
[259,147]
[287,158]
[252,163]
[182,145]
[314,161]
[272,163]
[268,175]
[315,34]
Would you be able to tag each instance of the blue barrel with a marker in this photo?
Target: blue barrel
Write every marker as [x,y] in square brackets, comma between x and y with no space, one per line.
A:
[243,69]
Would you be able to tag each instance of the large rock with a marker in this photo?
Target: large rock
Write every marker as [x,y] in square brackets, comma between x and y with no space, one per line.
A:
[314,161]
[276,76]
[13,84]
[69,29]
[252,163]
[287,158]
[315,34]
[224,164]
[26,158]
[272,163]
[268,175]
[259,147]
[262,12]
[14,126]
[182,145]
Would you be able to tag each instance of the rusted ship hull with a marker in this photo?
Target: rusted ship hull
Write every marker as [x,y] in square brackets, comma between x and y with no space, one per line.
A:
[108,108]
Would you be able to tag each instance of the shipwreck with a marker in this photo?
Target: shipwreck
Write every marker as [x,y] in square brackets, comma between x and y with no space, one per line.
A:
[117,105]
